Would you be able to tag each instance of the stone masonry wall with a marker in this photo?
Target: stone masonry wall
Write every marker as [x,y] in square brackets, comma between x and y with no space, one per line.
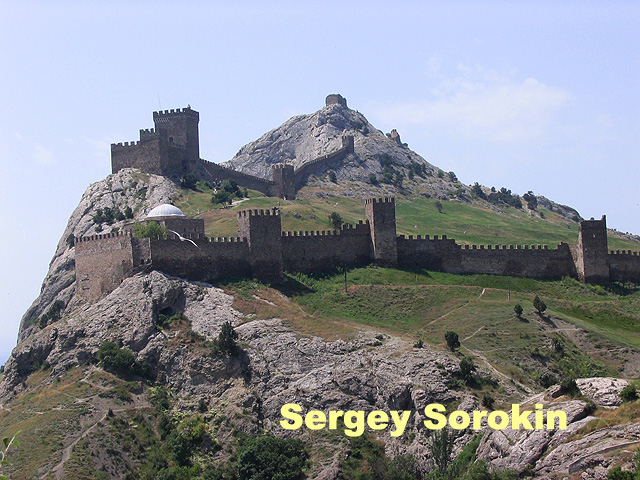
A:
[144,154]
[212,259]
[520,260]
[624,266]
[102,261]
[322,250]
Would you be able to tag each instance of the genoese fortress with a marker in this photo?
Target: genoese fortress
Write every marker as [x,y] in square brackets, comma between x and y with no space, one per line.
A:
[262,250]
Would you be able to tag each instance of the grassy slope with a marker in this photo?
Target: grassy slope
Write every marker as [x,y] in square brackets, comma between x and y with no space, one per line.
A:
[465,222]
[424,305]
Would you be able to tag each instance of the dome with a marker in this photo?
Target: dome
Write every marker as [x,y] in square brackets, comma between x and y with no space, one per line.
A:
[165,210]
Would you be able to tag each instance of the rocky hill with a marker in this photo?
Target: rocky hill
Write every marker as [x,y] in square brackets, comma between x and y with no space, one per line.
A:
[137,385]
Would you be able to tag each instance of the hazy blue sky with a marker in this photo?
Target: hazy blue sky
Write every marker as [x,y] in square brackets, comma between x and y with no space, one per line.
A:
[540,96]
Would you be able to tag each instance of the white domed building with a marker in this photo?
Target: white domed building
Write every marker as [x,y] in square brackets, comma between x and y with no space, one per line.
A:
[174,219]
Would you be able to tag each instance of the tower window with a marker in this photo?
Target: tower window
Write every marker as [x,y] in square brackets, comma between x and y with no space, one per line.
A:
[170,139]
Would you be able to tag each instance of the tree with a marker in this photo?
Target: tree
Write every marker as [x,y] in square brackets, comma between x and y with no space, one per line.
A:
[149,230]
[222,197]
[336,220]
[532,201]
[227,338]
[189,180]
[539,305]
[128,213]
[518,310]
[229,185]
[267,457]
[452,340]
[438,206]
[441,447]
[477,191]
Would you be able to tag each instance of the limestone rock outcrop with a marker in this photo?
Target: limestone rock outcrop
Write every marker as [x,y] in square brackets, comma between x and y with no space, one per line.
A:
[127,188]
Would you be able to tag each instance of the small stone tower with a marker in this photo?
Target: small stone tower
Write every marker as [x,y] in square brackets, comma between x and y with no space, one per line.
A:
[283,176]
[348,143]
[180,128]
[592,255]
[335,98]
[381,214]
[263,231]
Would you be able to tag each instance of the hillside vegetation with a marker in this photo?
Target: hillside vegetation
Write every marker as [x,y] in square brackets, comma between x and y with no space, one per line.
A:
[467,222]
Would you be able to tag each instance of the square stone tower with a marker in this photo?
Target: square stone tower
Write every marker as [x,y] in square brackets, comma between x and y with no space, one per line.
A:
[381,214]
[263,231]
[592,262]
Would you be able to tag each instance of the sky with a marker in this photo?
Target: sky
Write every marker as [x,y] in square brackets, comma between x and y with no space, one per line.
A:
[537,95]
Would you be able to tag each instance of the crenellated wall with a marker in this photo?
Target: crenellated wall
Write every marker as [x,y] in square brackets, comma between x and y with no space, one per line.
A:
[172,149]
[310,251]
[102,262]
[212,259]
[264,251]
[624,266]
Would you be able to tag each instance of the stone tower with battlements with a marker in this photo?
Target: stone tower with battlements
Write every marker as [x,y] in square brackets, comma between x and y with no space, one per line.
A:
[283,176]
[592,254]
[170,149]
[381,214]
[262,230]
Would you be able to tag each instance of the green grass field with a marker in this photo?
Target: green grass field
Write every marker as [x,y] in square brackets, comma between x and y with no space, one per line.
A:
[464,222]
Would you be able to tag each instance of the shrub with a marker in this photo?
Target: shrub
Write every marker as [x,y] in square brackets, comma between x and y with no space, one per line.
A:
[488,401]
[452,340]
[332,176]
[518,310]
[53,314]
[467,367]
[418,344]
[629,393]
[438,206]
[539,305]
[373,180]
[120,360]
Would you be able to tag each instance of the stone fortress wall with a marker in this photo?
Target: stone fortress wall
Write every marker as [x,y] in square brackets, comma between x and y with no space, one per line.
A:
[172,149]
[262,250]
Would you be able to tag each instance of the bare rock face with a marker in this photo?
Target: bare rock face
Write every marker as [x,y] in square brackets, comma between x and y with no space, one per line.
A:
[127,188]
[603,391]
[304,138]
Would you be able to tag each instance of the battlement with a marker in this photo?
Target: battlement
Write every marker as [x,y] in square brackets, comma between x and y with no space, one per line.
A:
[424,238]
[369,201]
[309,233]
[259,212]
[122,145]
[624,252]
[173,113]
[594,224]
[102,236]
[283,166]
[506,247]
